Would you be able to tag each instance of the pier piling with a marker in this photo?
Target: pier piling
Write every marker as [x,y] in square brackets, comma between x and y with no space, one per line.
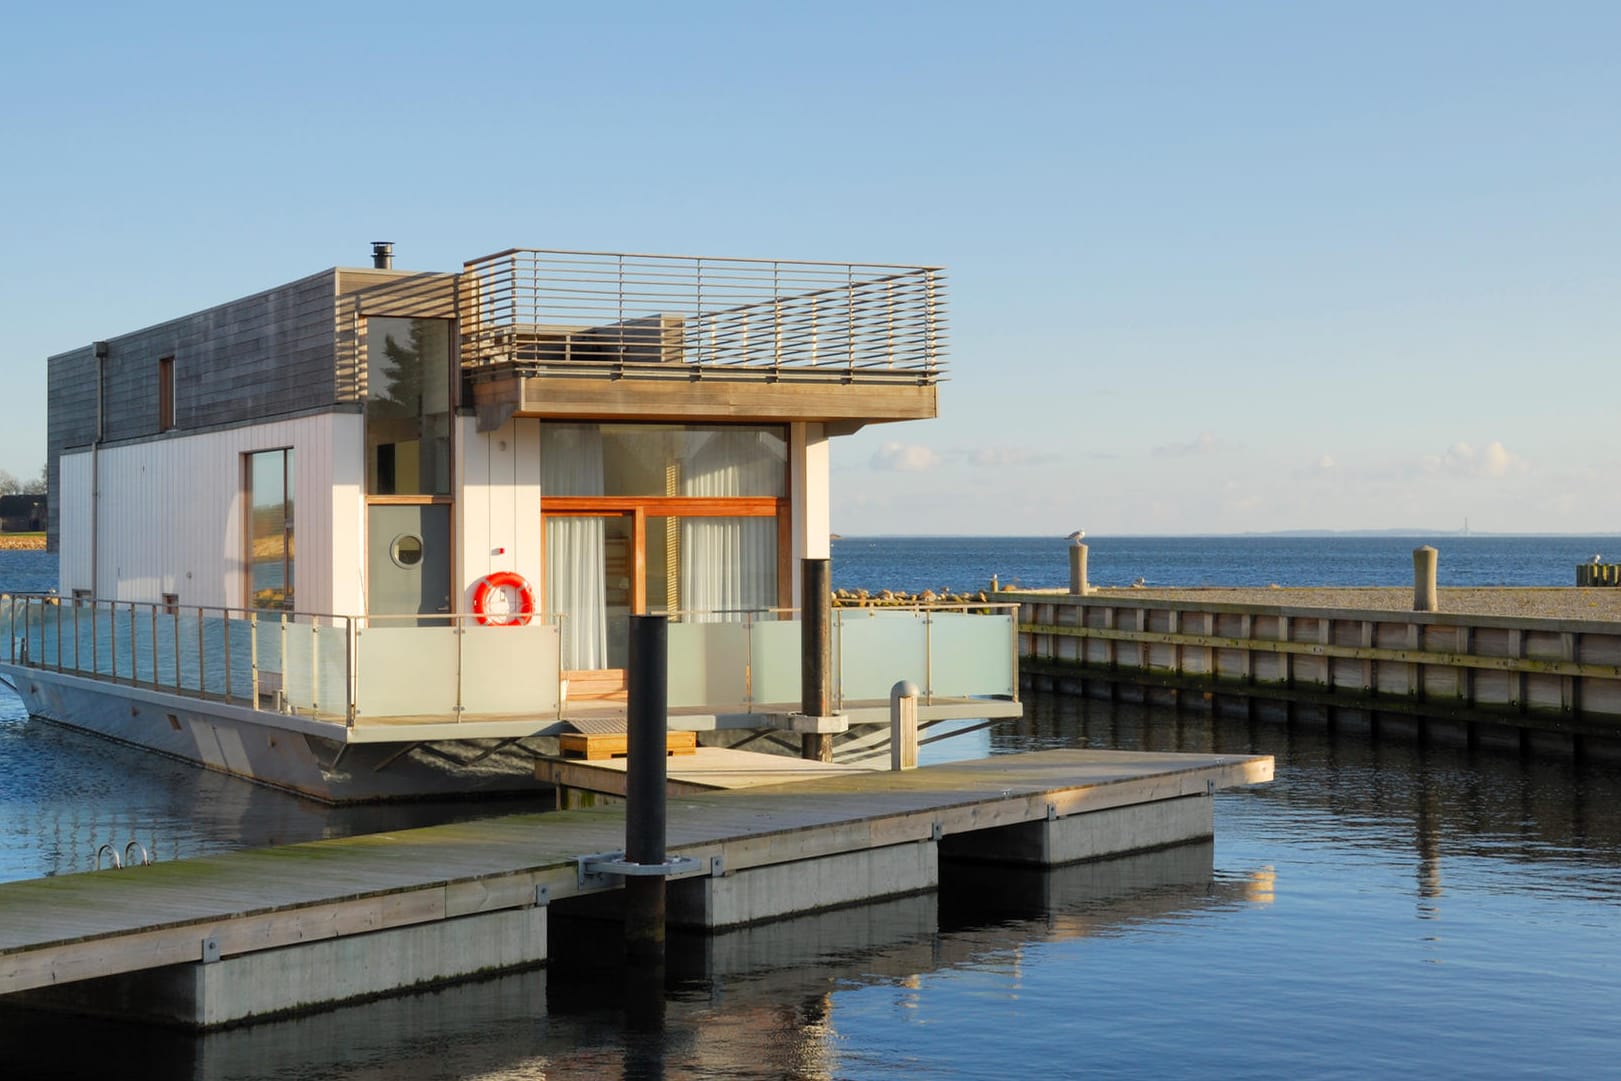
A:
[815,653]
[646,771]
[1425,597]
[1078,584]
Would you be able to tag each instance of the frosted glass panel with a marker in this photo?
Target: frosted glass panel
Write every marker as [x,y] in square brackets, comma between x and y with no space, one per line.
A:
[509,670]
[776,662]
[406,672]
[970,654]
[331,692]
[297,662]
[708,664]
[874,649]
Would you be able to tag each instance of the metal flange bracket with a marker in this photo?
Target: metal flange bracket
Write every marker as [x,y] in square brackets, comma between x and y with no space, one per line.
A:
[601,870]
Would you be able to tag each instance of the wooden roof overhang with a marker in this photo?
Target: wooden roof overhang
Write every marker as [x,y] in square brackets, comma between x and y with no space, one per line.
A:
[689,396]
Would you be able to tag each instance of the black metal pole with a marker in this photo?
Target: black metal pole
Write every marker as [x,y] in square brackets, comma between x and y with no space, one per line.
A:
[645,770]
[815,652]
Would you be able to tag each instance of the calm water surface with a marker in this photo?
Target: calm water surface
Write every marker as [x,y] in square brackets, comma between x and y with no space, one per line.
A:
[1384,908]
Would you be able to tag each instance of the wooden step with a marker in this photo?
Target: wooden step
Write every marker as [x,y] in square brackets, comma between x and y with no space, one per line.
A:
[591,745]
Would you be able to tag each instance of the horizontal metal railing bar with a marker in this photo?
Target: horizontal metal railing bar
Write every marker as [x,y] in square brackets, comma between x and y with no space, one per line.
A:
[705,259]
[751,313]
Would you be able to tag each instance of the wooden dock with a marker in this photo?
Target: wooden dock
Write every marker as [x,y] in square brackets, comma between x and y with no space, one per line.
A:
[258,933]
[704,769]
[1518,657]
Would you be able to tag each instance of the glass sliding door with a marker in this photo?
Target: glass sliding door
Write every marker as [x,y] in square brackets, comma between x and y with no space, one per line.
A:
[662,518]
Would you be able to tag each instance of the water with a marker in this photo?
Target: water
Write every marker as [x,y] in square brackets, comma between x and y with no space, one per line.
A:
[1384,908]
[955,564]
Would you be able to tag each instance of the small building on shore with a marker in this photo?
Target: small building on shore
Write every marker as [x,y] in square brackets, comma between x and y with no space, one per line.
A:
[24,513]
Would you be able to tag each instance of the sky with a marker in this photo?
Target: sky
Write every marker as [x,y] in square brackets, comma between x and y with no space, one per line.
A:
[1213,267]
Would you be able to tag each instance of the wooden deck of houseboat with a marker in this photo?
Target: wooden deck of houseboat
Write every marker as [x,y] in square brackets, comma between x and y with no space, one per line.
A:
[82,926]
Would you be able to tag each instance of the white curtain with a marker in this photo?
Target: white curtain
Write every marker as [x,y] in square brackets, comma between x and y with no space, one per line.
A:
[571,464]
[729,565]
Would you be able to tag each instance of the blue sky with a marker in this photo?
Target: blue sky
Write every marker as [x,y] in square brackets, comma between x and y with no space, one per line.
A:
[1213,267]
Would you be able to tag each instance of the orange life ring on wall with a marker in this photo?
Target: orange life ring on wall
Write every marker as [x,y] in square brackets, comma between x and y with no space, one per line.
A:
[516,616]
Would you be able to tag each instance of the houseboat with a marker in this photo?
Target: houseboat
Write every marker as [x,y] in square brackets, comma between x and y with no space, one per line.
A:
[377,533]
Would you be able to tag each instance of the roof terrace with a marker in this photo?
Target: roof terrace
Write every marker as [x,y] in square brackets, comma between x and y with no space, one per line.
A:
[564,333]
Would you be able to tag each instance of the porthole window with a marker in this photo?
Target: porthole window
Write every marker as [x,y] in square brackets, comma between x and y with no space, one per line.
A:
[406,551]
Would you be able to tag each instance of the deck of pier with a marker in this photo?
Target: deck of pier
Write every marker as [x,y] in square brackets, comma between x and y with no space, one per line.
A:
[81,926]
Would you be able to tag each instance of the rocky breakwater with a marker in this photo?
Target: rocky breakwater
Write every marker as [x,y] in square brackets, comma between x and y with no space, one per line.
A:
[22,542]
[889,598]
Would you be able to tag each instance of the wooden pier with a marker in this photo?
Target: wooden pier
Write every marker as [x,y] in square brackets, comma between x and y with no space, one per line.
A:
[1511,664]
[247,935]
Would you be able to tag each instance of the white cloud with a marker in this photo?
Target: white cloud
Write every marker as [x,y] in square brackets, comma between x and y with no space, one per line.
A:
[1002,457]
[1203,443]
[904,458]
[1463,460]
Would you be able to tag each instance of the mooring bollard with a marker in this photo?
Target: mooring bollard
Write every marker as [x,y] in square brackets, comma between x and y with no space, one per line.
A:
[815,653]
[1077,570]
[1425,597]
[647,700]
[903,725]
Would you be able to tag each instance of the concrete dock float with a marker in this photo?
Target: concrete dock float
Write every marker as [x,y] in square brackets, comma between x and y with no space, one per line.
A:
[247,935]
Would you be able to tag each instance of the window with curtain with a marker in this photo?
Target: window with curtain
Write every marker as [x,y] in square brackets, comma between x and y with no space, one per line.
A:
[576,587]
[690,509]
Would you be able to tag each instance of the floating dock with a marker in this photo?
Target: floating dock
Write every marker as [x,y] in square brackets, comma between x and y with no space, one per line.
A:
[248,935]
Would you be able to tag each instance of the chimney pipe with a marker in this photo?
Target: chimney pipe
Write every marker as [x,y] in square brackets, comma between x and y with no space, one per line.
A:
[382,254]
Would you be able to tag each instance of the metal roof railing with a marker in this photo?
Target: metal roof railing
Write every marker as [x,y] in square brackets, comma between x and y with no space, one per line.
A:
[676,316]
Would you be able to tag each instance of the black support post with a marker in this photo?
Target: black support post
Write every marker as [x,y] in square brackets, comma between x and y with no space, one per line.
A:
[646,770]
[816,653]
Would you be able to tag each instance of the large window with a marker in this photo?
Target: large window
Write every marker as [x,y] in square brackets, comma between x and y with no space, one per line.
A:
[270,529]
[687,520]
[408,406]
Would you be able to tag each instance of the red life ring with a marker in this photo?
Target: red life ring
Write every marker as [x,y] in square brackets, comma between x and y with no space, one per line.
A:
[516,616]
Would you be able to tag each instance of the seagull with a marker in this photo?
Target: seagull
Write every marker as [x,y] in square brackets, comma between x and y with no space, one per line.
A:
[1138,583]
[1597,559]
[1076,537]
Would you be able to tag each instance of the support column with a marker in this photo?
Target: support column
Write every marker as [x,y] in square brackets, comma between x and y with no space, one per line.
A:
[645,776]
[816,654]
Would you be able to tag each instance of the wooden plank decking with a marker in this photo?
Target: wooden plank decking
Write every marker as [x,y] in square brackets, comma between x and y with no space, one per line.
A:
[80,926]
[705,769]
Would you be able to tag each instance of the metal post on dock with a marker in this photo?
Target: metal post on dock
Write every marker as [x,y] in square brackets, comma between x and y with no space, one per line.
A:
[815,653]
[1425,597]
[645,774]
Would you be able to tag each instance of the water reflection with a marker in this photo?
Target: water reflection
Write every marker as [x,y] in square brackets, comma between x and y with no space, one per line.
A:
[64,793]
[1369,780]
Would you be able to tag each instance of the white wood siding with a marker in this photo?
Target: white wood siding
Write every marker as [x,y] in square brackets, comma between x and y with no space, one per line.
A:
[498,507]
[173,513]
[73,506]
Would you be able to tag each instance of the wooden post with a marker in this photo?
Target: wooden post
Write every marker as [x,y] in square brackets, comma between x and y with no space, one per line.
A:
[645,774]
[815,653]
[1425,598]
[1078,585]
[903,725]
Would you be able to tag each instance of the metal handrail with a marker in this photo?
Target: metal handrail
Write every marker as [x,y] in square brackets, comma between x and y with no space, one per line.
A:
[643,315]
